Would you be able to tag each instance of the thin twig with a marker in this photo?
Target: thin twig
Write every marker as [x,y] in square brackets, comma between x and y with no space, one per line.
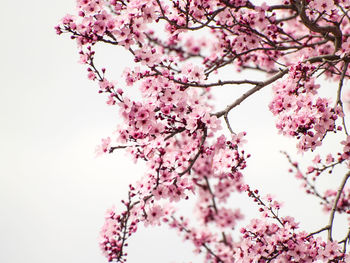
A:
[339,101]
[334,208]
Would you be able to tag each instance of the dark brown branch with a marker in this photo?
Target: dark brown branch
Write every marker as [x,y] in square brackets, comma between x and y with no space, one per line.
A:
[112,149]
[325,30]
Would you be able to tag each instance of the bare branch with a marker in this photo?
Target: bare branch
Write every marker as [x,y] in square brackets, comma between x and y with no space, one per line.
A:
[318,231]
[339,101]
[345,240]
[219,83]
[251,92]
[334,208]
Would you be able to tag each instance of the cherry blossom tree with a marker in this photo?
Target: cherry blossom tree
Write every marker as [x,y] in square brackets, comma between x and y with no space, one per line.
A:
[191,150]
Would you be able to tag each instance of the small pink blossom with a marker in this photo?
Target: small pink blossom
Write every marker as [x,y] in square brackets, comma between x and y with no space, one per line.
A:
[154,215]
[104,147]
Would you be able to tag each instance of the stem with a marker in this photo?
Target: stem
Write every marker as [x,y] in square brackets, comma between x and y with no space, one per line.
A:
[339,101]
[334,208]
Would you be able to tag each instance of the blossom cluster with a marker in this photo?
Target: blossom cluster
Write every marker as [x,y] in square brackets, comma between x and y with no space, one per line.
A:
[270,242]
[301,113]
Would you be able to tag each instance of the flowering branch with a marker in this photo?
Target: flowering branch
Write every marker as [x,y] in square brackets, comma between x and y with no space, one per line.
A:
[172,125]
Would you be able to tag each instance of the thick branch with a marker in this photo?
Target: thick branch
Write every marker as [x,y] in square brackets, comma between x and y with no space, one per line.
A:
[325,30]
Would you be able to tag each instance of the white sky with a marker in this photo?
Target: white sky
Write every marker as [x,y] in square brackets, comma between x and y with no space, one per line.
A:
[53,191]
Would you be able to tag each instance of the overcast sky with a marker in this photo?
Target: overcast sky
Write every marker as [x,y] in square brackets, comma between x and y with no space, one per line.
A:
[53,191]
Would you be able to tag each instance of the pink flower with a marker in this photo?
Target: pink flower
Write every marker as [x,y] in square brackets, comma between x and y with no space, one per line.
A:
[317,159]
[193,72]
[104,147]
[322,5]
[91,75]
[154,215]
[346,144]
[239,139]
[329,159]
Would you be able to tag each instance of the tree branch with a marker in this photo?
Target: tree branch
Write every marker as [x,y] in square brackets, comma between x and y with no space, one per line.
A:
[271,80]
[334,208]
[251,92]
[313,26]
